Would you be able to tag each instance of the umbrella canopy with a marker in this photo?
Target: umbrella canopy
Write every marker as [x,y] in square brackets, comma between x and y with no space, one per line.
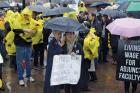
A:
[37,8]
[134,6]
[100,3]
[121,1]
[4,4]
[127,27]
[123,6]
[63,1]
[134,14]
[57,11]
[38,3]
[64,24]
[113,13]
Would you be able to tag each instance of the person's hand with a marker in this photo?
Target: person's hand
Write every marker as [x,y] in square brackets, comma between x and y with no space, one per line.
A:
[29,31]
[73,54]
[63,41]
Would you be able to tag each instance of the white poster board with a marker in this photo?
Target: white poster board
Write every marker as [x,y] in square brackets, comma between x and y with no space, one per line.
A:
[66,69]
[1,59]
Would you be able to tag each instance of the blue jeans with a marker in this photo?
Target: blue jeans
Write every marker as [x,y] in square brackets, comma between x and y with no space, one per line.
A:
[23,53]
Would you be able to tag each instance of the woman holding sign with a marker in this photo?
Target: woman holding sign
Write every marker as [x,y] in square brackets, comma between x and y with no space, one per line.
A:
[73,48]
[55,48]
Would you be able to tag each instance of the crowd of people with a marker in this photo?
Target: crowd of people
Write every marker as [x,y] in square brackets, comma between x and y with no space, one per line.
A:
[23,40]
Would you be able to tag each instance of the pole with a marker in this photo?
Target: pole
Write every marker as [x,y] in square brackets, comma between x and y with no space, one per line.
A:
[23,3]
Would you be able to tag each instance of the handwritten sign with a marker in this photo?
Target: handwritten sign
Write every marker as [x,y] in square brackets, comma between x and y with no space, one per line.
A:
[66,69]
[128,68]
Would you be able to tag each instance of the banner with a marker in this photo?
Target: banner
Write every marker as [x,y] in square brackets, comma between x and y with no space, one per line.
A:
[66,69]
[128,67]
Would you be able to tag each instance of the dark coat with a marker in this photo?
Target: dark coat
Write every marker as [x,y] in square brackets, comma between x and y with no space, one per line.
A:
[54,49]
[77,49]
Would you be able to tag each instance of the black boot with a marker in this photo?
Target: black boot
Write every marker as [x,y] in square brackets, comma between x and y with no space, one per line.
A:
[134,87]
[93,76]
[126,86]
[126,91]
[133,91]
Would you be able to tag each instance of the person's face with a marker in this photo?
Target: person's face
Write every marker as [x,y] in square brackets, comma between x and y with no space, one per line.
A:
[82,5]
[104,18]
[57,35]
[69,36]
[26,17]
[91,17]
[2,18]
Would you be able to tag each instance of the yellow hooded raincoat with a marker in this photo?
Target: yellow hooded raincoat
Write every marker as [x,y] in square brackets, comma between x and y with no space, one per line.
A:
[91,44]
[25,23]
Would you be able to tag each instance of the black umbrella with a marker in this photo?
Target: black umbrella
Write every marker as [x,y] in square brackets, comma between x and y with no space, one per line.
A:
[4,4]
[113,13]
[37,8]
[100,3]
[64,24]
[135,14]
[63,1]
[57,11]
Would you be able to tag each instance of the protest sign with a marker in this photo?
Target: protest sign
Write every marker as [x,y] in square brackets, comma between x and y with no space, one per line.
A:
[66,69]
[128,67]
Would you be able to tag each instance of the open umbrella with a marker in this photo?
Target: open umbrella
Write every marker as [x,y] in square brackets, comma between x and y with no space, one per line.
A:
[134,6]
[57,11]
[100,3]
[63,1]
[64,24]
[120,1]
[127,27]
[123,6]
[38,3]
[37,8]
[4,4]
[113,13]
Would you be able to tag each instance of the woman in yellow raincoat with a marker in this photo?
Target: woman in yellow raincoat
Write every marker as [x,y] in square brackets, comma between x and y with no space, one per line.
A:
[24,28]
[91,44]
[9,39]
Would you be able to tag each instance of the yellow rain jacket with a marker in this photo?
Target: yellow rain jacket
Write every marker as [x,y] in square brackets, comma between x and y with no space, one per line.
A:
[22,23]
[9,17]
[82,9]
[2,23]
[10,46]
[72,15]
[91,44]
[38,37]
[109,46]
[1,83]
